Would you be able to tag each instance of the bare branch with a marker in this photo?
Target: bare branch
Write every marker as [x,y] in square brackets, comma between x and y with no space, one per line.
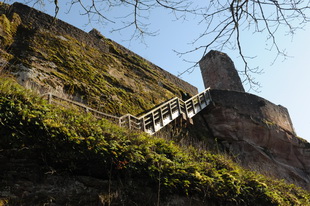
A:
[224,22]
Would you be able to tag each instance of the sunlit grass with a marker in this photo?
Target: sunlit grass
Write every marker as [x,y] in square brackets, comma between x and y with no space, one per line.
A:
[77,143]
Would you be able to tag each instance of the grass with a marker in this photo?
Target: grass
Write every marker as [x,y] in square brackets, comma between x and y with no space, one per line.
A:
[78,144]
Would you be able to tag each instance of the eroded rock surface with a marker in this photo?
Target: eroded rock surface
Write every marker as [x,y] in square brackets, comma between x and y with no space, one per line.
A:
[260,139]
[49,55]
[218,72]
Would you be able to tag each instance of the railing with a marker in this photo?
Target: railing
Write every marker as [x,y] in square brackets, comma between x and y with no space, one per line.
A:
[153,120]
[57,100]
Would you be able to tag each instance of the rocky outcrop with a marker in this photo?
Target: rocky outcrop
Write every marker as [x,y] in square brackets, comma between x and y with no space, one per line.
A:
[259,135]
[45,52]
[48,55]
[39,21]
[218,72]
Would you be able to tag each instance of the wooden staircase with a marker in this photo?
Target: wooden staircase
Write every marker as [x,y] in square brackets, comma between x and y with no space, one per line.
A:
[154,120]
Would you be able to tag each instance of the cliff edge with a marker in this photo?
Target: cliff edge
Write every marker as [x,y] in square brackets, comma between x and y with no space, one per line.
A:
[52,155]
[255,131]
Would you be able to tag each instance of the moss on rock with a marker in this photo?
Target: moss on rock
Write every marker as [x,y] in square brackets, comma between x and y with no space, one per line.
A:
[8,28]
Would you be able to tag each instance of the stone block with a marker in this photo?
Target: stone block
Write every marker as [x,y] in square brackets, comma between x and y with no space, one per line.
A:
[218,72]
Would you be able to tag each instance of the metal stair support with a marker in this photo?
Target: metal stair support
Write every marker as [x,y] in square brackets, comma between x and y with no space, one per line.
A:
[154,120]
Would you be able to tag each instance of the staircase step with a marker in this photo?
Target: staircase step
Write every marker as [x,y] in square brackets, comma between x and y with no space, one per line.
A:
[157,118]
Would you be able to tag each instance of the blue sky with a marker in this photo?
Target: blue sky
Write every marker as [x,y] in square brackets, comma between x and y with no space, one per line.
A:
[285,82]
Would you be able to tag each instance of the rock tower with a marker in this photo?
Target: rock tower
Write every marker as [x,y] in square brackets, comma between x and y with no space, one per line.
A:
[218,72]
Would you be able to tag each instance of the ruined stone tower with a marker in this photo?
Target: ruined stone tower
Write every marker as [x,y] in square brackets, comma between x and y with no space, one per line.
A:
[218,72]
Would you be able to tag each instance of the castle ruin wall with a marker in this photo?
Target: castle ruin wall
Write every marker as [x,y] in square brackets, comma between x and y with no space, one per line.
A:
[44,22]
[254,107]
[218,72]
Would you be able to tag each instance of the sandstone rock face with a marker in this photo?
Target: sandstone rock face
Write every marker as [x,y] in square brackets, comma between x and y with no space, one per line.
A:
[218,72]
[259,136]
[44,23]
[50,56]
[257,132]
[254,107]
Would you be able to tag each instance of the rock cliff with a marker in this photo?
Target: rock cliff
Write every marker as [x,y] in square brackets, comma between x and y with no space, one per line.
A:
[257,132]
[56,157]
[219,72]
[266,145]
[49,55]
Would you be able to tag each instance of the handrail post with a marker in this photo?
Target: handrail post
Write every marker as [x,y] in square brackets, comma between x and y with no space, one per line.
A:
[129,122]
[170,110]
[205,98]
[161,116]
[179,106]
[209,95]
[186,110]
[193,106]
[143,125]
[153,121]
[120,121]
[199,102]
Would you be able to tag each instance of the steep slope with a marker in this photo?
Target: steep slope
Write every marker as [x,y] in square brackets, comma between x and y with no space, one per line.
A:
[249,128]
[259,134]
[48,55]
[55,156]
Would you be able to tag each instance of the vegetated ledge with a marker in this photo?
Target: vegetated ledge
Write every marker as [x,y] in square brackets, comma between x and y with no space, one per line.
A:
[59,156]
[49,55]
[43,21]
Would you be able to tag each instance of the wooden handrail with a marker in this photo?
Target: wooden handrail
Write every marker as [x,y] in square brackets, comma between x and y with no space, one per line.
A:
[155,119]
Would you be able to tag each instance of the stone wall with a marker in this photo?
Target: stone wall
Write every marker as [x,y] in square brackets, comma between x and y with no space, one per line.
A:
[259,135]
[218,72]
[42,21]
[254,107]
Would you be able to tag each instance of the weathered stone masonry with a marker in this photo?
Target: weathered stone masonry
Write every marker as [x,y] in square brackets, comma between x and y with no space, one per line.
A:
[219,73]
[258,133]
[42,21]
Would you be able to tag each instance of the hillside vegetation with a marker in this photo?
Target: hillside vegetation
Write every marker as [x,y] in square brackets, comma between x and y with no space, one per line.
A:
[75,143]
[50,155]
[83,66]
